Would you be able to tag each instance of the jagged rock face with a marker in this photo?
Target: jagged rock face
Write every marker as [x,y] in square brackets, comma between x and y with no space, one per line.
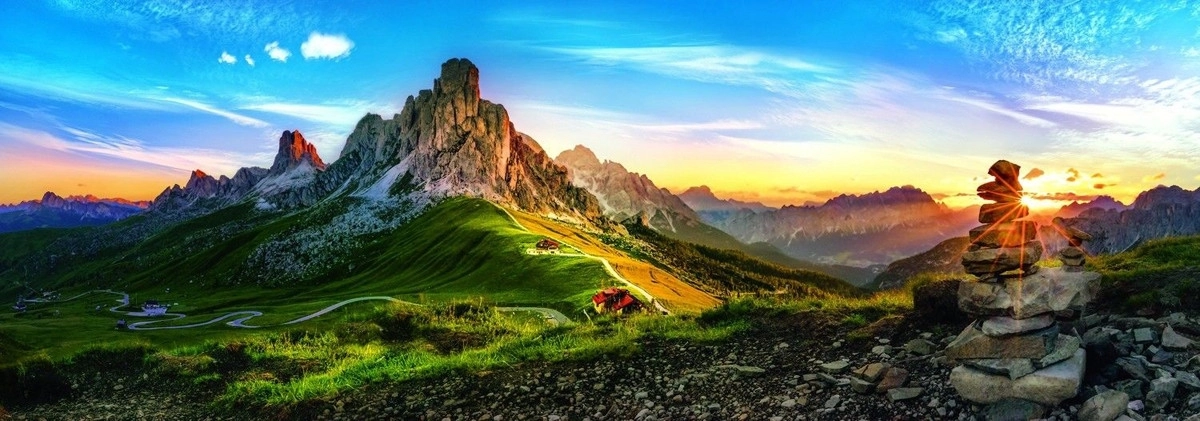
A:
[1157,213]
[874,228]
[623,194]
[203,188]
[295,152]
[445,142]
[702,199]
[1103,202]
[451,142]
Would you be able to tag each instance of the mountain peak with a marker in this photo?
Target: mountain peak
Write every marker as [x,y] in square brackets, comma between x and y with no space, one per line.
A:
[578,157]
[198,174]
[294,152]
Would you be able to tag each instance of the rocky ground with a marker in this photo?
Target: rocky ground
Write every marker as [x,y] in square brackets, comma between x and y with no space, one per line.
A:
[792,368]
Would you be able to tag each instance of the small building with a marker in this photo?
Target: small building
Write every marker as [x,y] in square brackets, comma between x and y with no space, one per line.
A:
[153,308]
[616,300]
[548,245]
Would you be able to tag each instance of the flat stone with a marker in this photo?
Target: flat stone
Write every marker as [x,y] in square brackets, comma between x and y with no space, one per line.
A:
[973,344]
[1005,172]
[1048,386]
[904,393]
[1173,340]
[1143,335]
[1134,367]
[1004,325]
[1002,259]
[861,386]
[1132,387]
[1004,234]
[1071,261]
[835,367]
[920,347]
[1166,385]
[1000,192]
[894,377]
[1002,212]
[1014,368]
[1188,380]
[1071,252]
[1064,347]
[1012,410]
[1106,406]
[871,372]
[1048,291]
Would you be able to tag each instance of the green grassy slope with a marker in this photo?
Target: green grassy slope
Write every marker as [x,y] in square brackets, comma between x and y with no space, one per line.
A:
[1161,275]
[461,249]
[724,272]
[710,236]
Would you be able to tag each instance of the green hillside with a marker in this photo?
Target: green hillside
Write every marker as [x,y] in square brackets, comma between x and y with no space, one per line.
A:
[709,236]
[460,249]
[726,272]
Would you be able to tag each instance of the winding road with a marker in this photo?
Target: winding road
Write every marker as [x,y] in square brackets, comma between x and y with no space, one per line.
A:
[241,317]
[607,266]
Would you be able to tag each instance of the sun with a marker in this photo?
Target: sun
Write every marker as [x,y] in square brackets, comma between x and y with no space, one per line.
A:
[1034,204]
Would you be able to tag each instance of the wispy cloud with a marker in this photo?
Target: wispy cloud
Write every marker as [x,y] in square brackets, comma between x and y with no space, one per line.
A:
[226,58]
[232,116]
[123,148]
[249,60]
[344,114]
[326,46]
[276,52]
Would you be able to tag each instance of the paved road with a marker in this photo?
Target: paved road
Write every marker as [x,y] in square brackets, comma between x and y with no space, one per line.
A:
[245,315]
[607,266]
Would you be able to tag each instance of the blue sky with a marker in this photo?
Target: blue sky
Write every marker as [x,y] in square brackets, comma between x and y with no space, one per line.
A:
[783,102]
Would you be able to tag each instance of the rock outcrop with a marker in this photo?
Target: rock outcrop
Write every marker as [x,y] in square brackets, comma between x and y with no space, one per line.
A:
[203,190]
[1156,213]
[448,141]
[295,152]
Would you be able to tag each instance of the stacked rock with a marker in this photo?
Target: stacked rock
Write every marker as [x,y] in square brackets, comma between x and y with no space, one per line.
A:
[1014,349]
[1072,256]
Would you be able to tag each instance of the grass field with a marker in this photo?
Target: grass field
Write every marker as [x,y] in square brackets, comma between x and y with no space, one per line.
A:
[462,249]
[676,294]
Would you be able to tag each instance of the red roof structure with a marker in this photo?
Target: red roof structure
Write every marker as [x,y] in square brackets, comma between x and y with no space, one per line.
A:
[616,300]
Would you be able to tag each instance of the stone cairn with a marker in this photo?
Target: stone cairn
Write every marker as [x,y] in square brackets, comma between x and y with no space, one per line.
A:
[1072,256]
[1015,349]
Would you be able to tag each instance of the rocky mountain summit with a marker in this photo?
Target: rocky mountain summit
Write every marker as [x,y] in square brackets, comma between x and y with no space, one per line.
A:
[874,228]
[447,141]
[54,211]
[1073,209]
[295,152]
[1156,213]
[624,194]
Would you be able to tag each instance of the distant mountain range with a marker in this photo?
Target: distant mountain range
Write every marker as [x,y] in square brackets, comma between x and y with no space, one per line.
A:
[1115,227]
[860,230]
[634,198]
[53,211]
[1156,213]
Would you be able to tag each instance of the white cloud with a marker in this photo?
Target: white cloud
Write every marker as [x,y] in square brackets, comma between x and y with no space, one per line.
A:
[331,46]
[334,114]
[235,117]
[227,58]
[276,52]
[249,60]
[120,147]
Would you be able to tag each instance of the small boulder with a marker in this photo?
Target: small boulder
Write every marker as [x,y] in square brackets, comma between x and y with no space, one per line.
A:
[904,393]
[920,347]
[835,367]
[1106,406]
[1010,409]
[1173,340]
